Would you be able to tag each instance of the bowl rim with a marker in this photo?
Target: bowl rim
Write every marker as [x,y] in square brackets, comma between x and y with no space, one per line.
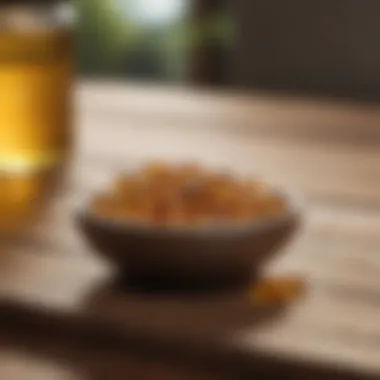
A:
[293,207]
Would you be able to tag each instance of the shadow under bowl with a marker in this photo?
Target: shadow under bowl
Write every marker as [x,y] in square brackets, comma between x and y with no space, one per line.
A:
[170,257]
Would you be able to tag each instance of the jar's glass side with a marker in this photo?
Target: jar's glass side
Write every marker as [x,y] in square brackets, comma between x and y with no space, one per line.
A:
[35,107]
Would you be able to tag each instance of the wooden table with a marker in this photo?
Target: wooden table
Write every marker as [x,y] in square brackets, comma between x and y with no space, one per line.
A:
[329,152]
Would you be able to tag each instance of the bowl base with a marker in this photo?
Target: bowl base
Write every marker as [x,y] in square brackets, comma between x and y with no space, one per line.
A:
[165,284]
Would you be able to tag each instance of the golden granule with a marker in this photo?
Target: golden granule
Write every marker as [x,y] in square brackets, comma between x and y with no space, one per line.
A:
[277,291]
[161,194]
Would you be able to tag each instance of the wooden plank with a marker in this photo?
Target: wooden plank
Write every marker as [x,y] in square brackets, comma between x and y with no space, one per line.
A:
[340,294]
[341,173]
[332,122]
[16,365]
[337,250]
[327,150]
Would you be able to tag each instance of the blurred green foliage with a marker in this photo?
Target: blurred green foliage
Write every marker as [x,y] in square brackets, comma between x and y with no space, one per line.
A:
[109,43]
[102,36]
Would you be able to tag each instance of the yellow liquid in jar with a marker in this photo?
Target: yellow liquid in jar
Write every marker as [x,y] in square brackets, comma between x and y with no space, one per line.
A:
[35,84]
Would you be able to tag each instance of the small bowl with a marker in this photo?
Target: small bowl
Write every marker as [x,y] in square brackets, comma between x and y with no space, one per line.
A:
[189,256]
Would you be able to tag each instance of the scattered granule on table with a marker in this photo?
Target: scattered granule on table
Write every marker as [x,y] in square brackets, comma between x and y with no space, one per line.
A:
[277,290]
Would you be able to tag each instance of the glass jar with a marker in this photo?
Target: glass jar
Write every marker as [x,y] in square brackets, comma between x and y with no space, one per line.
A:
[35,92]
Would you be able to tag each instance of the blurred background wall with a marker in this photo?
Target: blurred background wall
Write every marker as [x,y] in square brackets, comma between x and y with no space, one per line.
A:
[327,47]
[323,46]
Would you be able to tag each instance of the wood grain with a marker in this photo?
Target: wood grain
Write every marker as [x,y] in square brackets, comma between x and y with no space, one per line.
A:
[327,152]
